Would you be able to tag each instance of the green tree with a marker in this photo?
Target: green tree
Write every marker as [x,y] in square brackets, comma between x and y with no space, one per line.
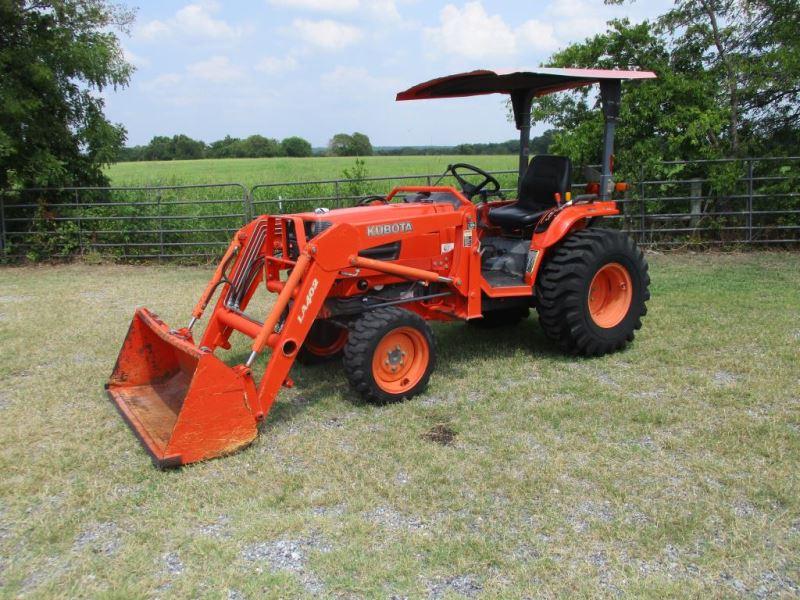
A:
[361,146]
[343,144]
[728,83]
[185,148]
[675,116]
[296,146]
[159,148]
[258,146]
[223,148]
[55,56]
[340,145]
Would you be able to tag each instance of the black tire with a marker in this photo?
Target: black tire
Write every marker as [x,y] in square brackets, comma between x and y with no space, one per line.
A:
[503,317]
[322,334]
[366,334]
[563,288]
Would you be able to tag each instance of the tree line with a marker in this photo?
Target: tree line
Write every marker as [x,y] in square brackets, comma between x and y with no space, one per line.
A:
[182,147]
[538,145]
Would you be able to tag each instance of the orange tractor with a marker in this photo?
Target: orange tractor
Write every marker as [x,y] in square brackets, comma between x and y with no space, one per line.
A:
[361,283]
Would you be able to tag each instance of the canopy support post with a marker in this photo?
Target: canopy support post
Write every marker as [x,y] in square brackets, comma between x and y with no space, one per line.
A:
[521,102]
[610,96]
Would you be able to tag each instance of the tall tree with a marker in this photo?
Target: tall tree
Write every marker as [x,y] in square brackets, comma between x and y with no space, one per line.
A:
[728,82]
[361,145]
[340,144]
[673,116]
[56,57]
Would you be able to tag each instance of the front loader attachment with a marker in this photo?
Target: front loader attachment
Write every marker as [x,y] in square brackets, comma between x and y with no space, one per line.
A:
[182,402]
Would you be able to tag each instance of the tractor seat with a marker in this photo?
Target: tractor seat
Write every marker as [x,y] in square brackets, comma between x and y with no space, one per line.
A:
[546,176]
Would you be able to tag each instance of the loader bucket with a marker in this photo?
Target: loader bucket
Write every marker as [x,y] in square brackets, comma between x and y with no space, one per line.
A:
[183,403]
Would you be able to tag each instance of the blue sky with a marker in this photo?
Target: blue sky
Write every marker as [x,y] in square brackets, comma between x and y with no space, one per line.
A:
[318,67]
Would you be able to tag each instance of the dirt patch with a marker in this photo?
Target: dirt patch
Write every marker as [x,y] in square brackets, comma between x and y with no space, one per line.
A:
[100,538]
[589,512]
[172,563]
[394,521]
[725,378]
[464,585]
[328,511]
[291,556]
[219,529]
[441,434]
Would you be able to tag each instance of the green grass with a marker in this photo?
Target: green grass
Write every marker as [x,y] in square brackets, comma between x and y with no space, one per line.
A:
[253,171]
[670,469]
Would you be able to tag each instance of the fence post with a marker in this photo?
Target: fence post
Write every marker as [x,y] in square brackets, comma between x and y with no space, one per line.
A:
[247,204]
[642,206]
[80,221]
[336,192]
[2,220]
[696,194]
[160,227]
[750,200]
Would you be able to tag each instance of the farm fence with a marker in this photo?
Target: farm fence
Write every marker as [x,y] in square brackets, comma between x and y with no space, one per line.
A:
[700,203]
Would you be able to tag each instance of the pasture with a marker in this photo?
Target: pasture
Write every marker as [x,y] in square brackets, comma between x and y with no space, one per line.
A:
[254,171]
[668,469]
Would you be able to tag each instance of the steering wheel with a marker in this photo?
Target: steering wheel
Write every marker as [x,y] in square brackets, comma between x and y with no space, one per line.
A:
[470,189]
[372,201]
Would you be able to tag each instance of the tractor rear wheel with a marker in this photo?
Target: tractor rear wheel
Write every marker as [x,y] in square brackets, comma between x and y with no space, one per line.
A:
[325,341]
[389,355]
[591,292]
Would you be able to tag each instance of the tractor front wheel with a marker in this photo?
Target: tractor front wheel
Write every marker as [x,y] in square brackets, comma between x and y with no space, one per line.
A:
[389,355]
[591,292]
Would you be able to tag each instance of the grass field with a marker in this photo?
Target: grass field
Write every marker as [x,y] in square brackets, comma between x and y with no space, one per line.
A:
[670,469]
[253,171]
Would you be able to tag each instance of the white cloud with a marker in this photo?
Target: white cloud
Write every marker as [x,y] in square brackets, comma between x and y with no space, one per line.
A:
[342,80]
[217,69]
[578,19]
[167,80]
[473,33]
[537,35]
[327,34]
[378,9]
[135,59]
[385,10]
[193,20]
[318,5]
[273,64]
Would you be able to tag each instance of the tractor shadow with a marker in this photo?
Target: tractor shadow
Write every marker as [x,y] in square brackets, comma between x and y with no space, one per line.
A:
[460,348]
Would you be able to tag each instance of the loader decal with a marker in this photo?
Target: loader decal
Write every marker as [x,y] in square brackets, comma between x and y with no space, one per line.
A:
[389,228]
[309,298]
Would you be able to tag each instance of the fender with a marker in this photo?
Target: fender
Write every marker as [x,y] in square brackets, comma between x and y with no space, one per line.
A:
[566,220]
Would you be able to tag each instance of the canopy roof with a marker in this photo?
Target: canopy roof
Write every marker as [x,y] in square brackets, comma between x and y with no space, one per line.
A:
[540,82]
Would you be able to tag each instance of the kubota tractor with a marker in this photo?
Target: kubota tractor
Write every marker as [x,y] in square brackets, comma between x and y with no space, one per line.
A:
[362,282]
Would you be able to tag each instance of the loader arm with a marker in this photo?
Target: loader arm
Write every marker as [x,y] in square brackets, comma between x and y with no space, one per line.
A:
[309,283]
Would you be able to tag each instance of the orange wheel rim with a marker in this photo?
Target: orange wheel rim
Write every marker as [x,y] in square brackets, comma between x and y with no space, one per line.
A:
[329,349]
[400,360]
[610,295]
